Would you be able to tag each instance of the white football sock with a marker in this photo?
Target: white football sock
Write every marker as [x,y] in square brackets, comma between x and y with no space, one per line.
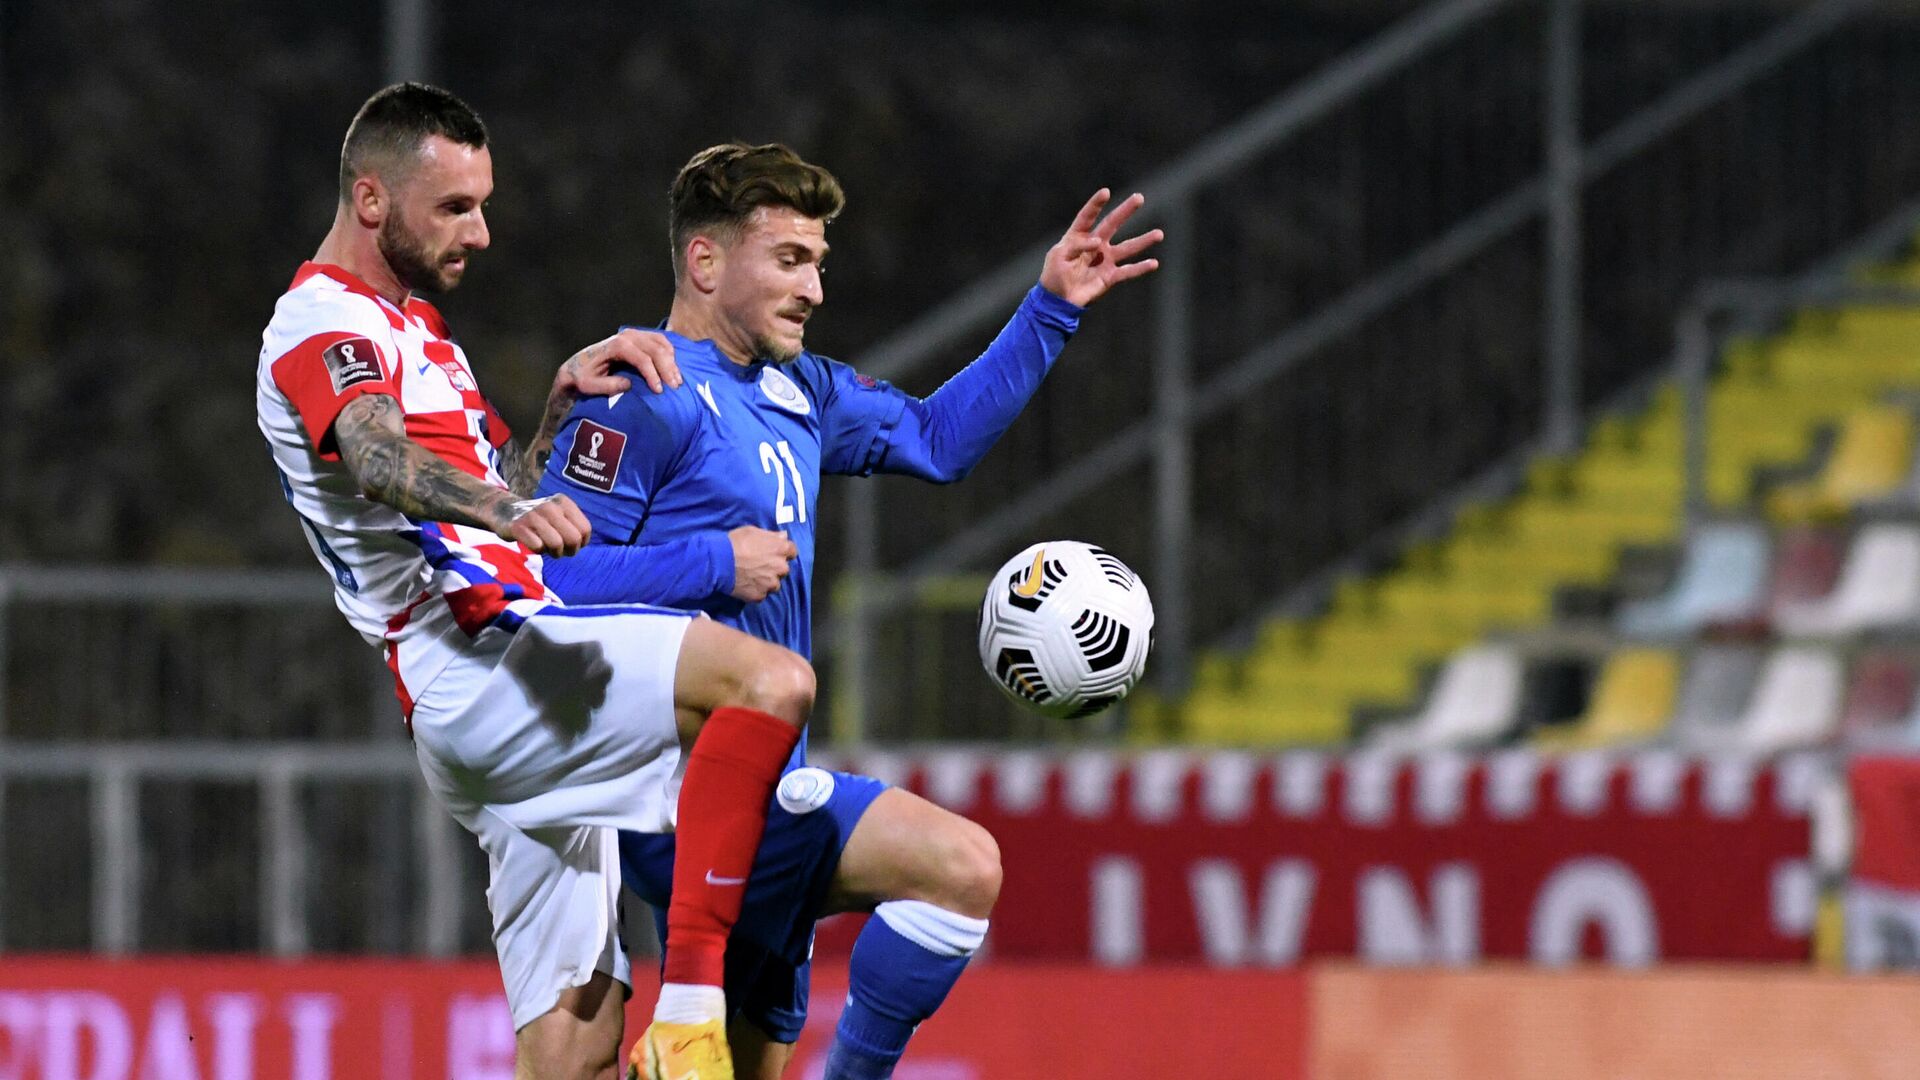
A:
[690,1003]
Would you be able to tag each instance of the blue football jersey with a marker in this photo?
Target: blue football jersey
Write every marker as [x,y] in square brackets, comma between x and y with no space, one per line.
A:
[733,445]
[663,477]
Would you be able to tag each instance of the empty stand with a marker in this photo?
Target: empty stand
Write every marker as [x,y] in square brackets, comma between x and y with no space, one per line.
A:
[1880,700]
[1796,704]
[1879,588]
[1473,703]
[1723,579]
[1870,461]
[1719,681]
[1631,702]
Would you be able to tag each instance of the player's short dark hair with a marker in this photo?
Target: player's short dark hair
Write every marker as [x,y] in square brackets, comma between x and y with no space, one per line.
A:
[385,136]
[720,188]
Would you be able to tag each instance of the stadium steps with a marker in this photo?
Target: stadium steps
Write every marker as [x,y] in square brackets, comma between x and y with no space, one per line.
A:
[1498,569]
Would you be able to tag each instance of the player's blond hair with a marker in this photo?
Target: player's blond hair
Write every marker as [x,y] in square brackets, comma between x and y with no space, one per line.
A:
[719,189]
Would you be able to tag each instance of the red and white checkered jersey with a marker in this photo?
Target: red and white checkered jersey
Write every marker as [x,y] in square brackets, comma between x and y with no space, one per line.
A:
[422,588]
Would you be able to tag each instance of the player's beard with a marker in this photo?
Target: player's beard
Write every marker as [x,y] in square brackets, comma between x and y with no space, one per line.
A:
[768,348]
[417,267]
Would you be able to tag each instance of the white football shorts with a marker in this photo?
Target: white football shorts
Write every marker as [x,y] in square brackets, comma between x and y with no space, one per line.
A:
[543,741]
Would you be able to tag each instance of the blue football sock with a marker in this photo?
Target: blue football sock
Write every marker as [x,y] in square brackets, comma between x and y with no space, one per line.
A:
[904,962]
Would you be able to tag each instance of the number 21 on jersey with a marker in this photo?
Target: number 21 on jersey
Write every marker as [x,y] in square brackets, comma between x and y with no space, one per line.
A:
[783,511]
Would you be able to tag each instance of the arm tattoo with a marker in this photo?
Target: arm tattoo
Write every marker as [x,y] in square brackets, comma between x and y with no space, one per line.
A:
[523,468]
[398,472]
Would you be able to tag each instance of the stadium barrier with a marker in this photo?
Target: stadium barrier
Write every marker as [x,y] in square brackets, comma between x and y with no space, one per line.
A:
[214,1019]
[1228,858]
[1251,860]
[1882,896]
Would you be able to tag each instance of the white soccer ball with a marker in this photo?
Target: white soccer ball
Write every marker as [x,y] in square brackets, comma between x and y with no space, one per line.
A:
[1065,629]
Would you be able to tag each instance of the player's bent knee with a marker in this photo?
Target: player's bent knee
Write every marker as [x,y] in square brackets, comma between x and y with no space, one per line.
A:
[971,869]
[780,683]
[720,666]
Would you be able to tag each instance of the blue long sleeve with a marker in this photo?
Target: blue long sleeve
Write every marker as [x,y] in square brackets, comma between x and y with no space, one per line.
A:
[942,437]
[693,571]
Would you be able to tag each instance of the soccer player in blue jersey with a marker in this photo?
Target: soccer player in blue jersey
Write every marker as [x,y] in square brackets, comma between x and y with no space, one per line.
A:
[704,497]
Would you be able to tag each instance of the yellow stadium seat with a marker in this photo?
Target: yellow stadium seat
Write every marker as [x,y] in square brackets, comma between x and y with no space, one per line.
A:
[1631,703]
[1500,563]
[1870,459]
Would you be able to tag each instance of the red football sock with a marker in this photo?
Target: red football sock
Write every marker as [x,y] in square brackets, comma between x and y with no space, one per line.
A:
[735,763]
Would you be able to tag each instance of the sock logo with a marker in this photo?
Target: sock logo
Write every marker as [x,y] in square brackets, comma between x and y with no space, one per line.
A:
[711,880]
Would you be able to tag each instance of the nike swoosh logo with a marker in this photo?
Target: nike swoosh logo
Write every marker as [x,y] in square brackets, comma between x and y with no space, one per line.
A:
[711,880]
[1031,586]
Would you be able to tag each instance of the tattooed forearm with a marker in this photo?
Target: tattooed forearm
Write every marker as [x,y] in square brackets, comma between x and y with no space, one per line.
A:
[523,467]
[394,470]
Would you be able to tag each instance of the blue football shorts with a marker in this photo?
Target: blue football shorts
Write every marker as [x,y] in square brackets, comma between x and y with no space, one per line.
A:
[808,824]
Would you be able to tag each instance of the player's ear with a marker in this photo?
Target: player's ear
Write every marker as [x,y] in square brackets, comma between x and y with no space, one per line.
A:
[370,200]
[704,260]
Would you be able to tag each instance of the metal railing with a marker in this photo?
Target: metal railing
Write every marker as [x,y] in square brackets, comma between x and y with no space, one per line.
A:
[187,732]
[1187,394]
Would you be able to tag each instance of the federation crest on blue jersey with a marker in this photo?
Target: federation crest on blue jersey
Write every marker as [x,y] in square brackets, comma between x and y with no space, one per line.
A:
[783,391]
[1065,629]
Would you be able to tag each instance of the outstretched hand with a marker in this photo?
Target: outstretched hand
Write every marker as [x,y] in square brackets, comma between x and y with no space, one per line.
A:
[595,370]
[1086,262]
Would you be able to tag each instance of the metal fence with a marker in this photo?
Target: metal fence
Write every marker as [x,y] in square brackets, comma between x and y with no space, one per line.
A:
[1438,253]
[209,759]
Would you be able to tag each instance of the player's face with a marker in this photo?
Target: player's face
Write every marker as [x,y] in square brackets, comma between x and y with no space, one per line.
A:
[435,220]
[769,282]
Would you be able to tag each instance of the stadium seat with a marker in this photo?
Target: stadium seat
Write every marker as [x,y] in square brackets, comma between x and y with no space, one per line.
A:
[1473,703]
[1869,461]
[1806,564]
[1723,579]
[1879,587]
[1797,703]
[1719,681]
[1880,705]
[1631,703]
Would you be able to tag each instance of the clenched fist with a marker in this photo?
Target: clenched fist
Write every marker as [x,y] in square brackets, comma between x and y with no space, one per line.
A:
[549,526]
[760,559]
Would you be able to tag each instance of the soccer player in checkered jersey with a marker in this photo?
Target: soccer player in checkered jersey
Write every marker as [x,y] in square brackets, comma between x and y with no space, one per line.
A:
[542,728]
[704,496]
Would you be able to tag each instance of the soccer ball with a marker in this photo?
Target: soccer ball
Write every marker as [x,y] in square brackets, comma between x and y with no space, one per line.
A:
[1065,629]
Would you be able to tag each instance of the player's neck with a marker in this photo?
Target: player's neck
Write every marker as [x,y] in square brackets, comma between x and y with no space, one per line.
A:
[698,321]
[355,250]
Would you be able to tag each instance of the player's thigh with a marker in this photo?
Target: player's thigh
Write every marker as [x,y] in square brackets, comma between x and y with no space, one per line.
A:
[554,895]
[721,666]
[755,1055]
[567,719]
[906,848]
[579,1039]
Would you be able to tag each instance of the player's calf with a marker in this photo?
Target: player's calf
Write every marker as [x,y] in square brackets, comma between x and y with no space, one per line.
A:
[742,703]
[579,1039]
[934,877]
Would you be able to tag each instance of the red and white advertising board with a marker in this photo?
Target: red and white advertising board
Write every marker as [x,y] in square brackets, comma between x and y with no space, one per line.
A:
[215,1019]
[1883,886]
[1237,859]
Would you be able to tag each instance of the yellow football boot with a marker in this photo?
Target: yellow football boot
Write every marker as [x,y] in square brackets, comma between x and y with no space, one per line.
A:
[682,1052]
